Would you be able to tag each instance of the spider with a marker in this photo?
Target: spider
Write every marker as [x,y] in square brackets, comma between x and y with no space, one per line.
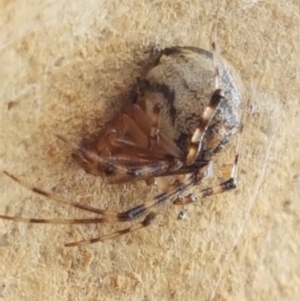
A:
[185,111]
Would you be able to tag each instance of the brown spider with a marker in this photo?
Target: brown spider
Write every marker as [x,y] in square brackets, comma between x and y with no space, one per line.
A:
[186,110]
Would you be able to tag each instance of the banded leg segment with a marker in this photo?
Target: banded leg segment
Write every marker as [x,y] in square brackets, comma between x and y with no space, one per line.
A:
[207,116]
[227,185]
[53,197]
[175,188]
[208,113]
[145,223]
[106,216]
[154,134]
[223,187]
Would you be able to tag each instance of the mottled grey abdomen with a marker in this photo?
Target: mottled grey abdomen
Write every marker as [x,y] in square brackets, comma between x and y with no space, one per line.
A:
[183,82]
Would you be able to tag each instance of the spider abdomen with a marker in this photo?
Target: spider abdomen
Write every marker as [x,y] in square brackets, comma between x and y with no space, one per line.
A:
[183,82]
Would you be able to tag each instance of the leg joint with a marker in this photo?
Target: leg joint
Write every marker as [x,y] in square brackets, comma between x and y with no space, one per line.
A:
[229,184]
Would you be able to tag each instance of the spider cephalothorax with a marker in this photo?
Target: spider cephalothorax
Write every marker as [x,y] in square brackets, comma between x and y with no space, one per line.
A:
[185,111]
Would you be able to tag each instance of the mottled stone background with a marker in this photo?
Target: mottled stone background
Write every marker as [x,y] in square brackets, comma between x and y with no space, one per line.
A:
[66,67]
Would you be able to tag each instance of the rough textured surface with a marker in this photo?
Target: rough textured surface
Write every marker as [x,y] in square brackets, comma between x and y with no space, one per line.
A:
[66,68]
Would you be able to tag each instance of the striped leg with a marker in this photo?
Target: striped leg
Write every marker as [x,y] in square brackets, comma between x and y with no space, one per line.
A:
[224,186]
[144,223]
[53,197]
[229,184]
[107,217]
[130,215]
[197,138]
[207,115]
[154,134]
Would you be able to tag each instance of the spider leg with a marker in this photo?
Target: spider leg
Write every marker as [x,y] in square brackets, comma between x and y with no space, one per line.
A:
[53,197]
[129,215]
[165,143]
[142,129]
[229,184]
[122,168]
[154,134]
[208,113]
[133,138]
[144,223]
[142,170]
[54,220]
[139,171]
[222,187]
[107,216]
[187,199]
[197,138]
